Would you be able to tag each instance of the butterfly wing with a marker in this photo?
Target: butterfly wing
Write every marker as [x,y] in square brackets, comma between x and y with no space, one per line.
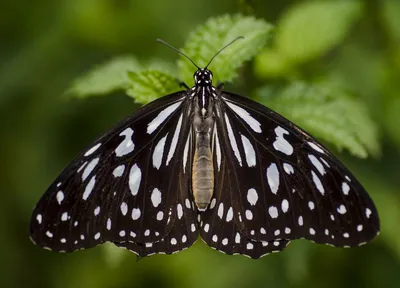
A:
[217,226]
[282,183]
[128,186]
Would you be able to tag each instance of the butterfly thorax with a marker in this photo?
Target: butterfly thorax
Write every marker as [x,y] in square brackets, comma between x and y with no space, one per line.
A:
[203,122]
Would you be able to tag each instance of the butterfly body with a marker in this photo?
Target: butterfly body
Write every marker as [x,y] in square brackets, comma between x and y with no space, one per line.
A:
[203,123]
[208,162]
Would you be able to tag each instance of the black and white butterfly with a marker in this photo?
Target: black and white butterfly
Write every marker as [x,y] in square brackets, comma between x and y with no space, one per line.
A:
[209,162]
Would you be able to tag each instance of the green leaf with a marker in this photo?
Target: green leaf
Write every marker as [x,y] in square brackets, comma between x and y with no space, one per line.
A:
[206,40]
[105,78]
[329,113]
[148,85]
[310,29]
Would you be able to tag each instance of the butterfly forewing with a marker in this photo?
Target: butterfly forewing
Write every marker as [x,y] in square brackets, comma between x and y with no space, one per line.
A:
[125,187]
[288,185]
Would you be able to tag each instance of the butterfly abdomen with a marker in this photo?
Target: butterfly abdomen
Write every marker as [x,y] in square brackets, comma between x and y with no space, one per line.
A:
[203,169]
[202,176]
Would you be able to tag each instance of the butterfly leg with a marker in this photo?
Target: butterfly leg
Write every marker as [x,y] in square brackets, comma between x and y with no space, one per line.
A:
[219,87]
[183,84]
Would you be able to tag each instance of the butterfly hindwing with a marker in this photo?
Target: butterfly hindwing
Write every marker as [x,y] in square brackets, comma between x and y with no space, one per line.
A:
[288,185]
[124,187]
[218,224]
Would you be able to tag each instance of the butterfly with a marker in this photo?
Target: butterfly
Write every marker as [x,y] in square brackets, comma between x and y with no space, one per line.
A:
[206,162]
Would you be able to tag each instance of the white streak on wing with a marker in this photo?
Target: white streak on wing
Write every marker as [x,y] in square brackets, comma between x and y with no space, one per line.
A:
[273,177]
[249,152]
[174,140]
[316,147]
[251,121]
[80,168]
[126,146]
[89,168]
[89,188]
[164,114]
[185,153]
[93,149]
[135,176]
[281,144]
[318,183]
[232,140]
[317,164]
[218,148]
[159,152]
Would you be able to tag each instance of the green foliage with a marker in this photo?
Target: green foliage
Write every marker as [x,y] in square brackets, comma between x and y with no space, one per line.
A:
[105,78]
[307,31]
[206,40]
[42,43]
[148,85]
[329,113]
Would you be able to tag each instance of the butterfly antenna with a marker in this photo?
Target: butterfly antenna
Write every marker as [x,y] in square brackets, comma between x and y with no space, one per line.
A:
[223,48]
[180,52]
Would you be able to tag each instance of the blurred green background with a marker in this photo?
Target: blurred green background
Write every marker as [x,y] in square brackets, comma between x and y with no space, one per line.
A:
[45,45]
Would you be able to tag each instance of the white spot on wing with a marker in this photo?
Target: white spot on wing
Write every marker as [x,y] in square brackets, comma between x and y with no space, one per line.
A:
[221,210]
[91,150]
[285,205]
[160,215]
[288,168]
[174,140]
[237,238]
[135,176]
[161,117]
[39,218]
[252,196]
[341,209]
[229,215]
[64,216]
[232,140]
[273,212]
[213,202]
[249,215]
[368,212]
[136,213]
[118,171]
[273,178]
[281,144]
[60,197]
[159,152]
[124,208]
[89,187]
[249,152]
[156,197]
[250,120]
[345,188]
[126,146]
[179,210]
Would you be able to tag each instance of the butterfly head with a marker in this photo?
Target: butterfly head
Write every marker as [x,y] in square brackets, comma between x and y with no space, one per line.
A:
[203,77]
